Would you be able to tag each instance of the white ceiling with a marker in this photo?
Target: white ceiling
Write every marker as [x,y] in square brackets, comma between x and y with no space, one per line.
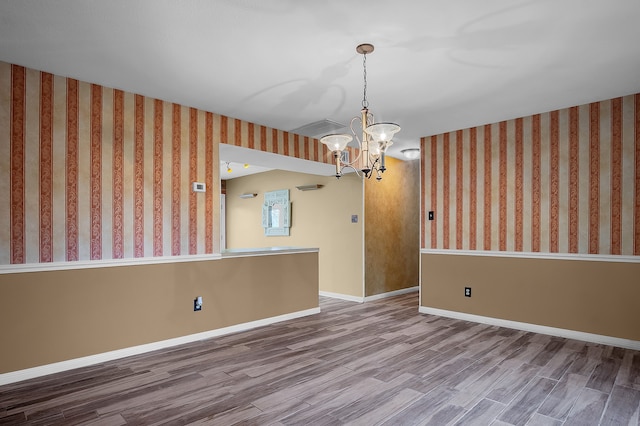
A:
[437,66]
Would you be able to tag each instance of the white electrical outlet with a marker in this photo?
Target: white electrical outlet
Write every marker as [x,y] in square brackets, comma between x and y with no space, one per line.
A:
[197,304]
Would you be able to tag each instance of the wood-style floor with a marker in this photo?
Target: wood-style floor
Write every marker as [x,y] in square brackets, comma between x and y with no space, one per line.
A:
[375,363]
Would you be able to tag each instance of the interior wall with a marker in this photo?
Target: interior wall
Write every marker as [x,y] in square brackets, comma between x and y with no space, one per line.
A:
[392,228]
[90,173]
[53,316]
[565,182]
[319,219]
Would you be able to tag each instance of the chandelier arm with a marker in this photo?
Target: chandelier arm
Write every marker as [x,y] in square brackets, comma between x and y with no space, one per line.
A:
[349,166]
[355,135]
[356,171]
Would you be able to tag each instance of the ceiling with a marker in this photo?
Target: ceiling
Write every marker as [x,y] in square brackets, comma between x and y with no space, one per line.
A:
[438,66]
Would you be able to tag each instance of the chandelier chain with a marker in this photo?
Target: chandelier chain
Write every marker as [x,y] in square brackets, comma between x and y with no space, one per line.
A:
[365,102]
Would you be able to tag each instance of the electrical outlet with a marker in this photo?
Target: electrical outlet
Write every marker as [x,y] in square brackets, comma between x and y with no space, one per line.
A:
[467,292]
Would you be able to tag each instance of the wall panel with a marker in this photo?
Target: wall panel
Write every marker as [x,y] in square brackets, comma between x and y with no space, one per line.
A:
[565,181]
[597,297]
[75,313]
[391,228]
[90,173]
[319,219]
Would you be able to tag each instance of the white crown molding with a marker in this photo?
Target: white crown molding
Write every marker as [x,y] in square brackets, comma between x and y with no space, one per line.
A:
[542,329]
[534,255]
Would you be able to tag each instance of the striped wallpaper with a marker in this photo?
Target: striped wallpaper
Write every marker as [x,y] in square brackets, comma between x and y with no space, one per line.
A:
[567,181]
[253,136]
[88,172]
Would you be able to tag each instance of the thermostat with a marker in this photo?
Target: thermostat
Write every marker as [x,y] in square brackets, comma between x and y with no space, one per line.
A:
[199,187]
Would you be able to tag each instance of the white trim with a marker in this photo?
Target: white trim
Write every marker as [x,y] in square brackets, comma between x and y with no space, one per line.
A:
[30,373]
[341,296]
[391,293]
[532,255]
[542,329]
[419,278]
[223,221]
[359,299]
[104,263]
[267,251]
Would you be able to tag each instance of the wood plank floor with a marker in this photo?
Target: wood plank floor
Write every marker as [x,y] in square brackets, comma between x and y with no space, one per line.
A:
[380,362]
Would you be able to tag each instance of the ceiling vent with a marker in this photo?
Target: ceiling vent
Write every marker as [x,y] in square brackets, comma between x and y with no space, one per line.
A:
[318,129]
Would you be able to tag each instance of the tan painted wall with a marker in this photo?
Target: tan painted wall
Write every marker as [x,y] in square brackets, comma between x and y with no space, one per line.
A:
[47,317]
[589,296]
[392,228]
[320,219]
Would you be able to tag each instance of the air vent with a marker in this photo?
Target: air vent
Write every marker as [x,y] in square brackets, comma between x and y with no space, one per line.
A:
[318,129]
[312,187]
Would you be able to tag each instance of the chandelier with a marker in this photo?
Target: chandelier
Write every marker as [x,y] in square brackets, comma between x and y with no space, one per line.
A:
[376,137]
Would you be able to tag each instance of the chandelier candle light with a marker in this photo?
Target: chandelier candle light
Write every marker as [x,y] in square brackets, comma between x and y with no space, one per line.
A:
[376,137]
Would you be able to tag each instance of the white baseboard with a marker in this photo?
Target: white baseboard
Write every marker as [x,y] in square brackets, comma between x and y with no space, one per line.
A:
[391,293]
[359,299]
[31,373]
[341,296]
[542,329]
